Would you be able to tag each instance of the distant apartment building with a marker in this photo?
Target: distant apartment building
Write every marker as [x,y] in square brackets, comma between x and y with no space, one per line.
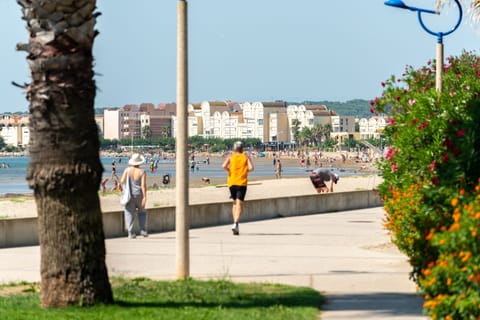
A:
[372,128]
[226,119]
[270,122]
[157,118]
[99,122]
[14,130]
[343,124]
[132,121]
[343,129]
[275,122]
[308,116]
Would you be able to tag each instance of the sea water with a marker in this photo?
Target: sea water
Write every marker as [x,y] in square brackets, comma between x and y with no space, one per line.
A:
[12,178]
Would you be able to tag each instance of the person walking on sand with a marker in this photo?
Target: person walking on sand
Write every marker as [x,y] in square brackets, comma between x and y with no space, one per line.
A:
[320,176]
[137,180]
[238,165]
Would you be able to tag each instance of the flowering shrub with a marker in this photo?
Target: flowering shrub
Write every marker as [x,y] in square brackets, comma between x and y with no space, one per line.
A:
[452,283]
[431,173]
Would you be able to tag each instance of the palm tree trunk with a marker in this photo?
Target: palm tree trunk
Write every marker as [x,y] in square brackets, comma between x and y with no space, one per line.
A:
[65,169]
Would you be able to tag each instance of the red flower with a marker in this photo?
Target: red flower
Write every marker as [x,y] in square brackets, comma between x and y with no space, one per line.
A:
[445,157]
[390,153]
[414,121]
[456,151]
[372,103]
[423,125]
[394,167]
[435,181]
[383,84]
[372,111]
[432,165]
[460,133]
[391,122]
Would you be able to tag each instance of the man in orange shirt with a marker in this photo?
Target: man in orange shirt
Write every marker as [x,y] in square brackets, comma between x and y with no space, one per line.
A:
[238,165]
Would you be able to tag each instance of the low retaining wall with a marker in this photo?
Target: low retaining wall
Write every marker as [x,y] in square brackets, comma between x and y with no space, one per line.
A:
[23,232]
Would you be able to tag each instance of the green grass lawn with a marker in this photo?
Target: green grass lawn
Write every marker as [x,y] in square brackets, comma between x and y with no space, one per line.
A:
[189,299]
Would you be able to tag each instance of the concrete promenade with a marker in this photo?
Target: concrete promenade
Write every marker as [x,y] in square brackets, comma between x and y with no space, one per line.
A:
[345,255]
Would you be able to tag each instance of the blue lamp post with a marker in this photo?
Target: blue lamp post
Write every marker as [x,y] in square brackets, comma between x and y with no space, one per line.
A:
[400,4]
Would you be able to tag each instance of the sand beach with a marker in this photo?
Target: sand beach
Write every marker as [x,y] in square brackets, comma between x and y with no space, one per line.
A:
[259,187]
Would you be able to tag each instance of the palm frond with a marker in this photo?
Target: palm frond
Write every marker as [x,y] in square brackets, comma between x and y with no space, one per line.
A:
[475,10]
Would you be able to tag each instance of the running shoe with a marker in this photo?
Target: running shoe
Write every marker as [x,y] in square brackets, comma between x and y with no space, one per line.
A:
[235,229]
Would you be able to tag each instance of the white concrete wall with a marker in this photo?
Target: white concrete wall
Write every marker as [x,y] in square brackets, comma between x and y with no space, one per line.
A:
[23,232]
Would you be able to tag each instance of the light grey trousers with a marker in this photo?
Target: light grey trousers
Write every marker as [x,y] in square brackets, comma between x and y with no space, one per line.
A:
[132,205]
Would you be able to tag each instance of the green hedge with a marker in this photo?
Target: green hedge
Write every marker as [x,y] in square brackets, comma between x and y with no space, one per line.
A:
[431,181]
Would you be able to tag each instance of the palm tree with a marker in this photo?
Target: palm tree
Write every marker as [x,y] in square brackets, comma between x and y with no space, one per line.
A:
[65,170]
[327,130]
[146,132]
[296,129]
[317,132]
[305,136]
[475,6]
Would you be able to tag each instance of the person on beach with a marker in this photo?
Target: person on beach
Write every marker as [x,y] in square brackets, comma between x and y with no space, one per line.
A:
[238,165]
[278,169]
[113,176]
[320,176]
[137,179]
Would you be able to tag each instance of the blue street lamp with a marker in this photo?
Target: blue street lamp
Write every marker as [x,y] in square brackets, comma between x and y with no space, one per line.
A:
[400,4]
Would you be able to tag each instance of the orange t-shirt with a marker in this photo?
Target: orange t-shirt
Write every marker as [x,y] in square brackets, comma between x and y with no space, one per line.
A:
[238,170]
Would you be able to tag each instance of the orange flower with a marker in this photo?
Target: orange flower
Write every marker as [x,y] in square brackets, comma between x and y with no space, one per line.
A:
[449,282]
[456,216]
[430,235]
[454,227]
[473,231]
[462,192]
[467,256]
[454,202]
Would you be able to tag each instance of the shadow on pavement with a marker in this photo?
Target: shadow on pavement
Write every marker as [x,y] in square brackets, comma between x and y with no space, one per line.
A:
[405,304]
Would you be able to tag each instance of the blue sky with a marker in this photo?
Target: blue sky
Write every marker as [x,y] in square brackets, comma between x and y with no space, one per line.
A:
[249,50]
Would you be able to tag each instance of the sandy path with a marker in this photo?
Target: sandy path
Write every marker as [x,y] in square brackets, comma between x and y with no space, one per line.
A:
[257,189]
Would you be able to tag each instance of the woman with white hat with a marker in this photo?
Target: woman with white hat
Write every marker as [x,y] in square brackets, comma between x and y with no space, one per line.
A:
[136,178]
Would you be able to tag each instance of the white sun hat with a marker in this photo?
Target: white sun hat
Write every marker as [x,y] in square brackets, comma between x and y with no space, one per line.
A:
[136,159]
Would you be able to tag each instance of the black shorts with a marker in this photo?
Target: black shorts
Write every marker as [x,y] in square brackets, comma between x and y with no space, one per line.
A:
[238,192]
[317,181]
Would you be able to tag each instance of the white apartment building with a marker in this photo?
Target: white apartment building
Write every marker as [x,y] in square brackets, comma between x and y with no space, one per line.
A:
[267,121]
[309,116]
[14,130]
[253,121]
[372,128]
[111,124]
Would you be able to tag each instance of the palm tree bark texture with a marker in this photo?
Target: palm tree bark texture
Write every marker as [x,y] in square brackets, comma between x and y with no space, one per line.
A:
[65,168]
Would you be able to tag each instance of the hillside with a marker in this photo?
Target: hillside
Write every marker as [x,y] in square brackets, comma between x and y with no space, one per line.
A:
[358,107]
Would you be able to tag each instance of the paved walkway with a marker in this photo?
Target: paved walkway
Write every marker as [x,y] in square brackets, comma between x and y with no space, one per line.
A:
[345,255]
